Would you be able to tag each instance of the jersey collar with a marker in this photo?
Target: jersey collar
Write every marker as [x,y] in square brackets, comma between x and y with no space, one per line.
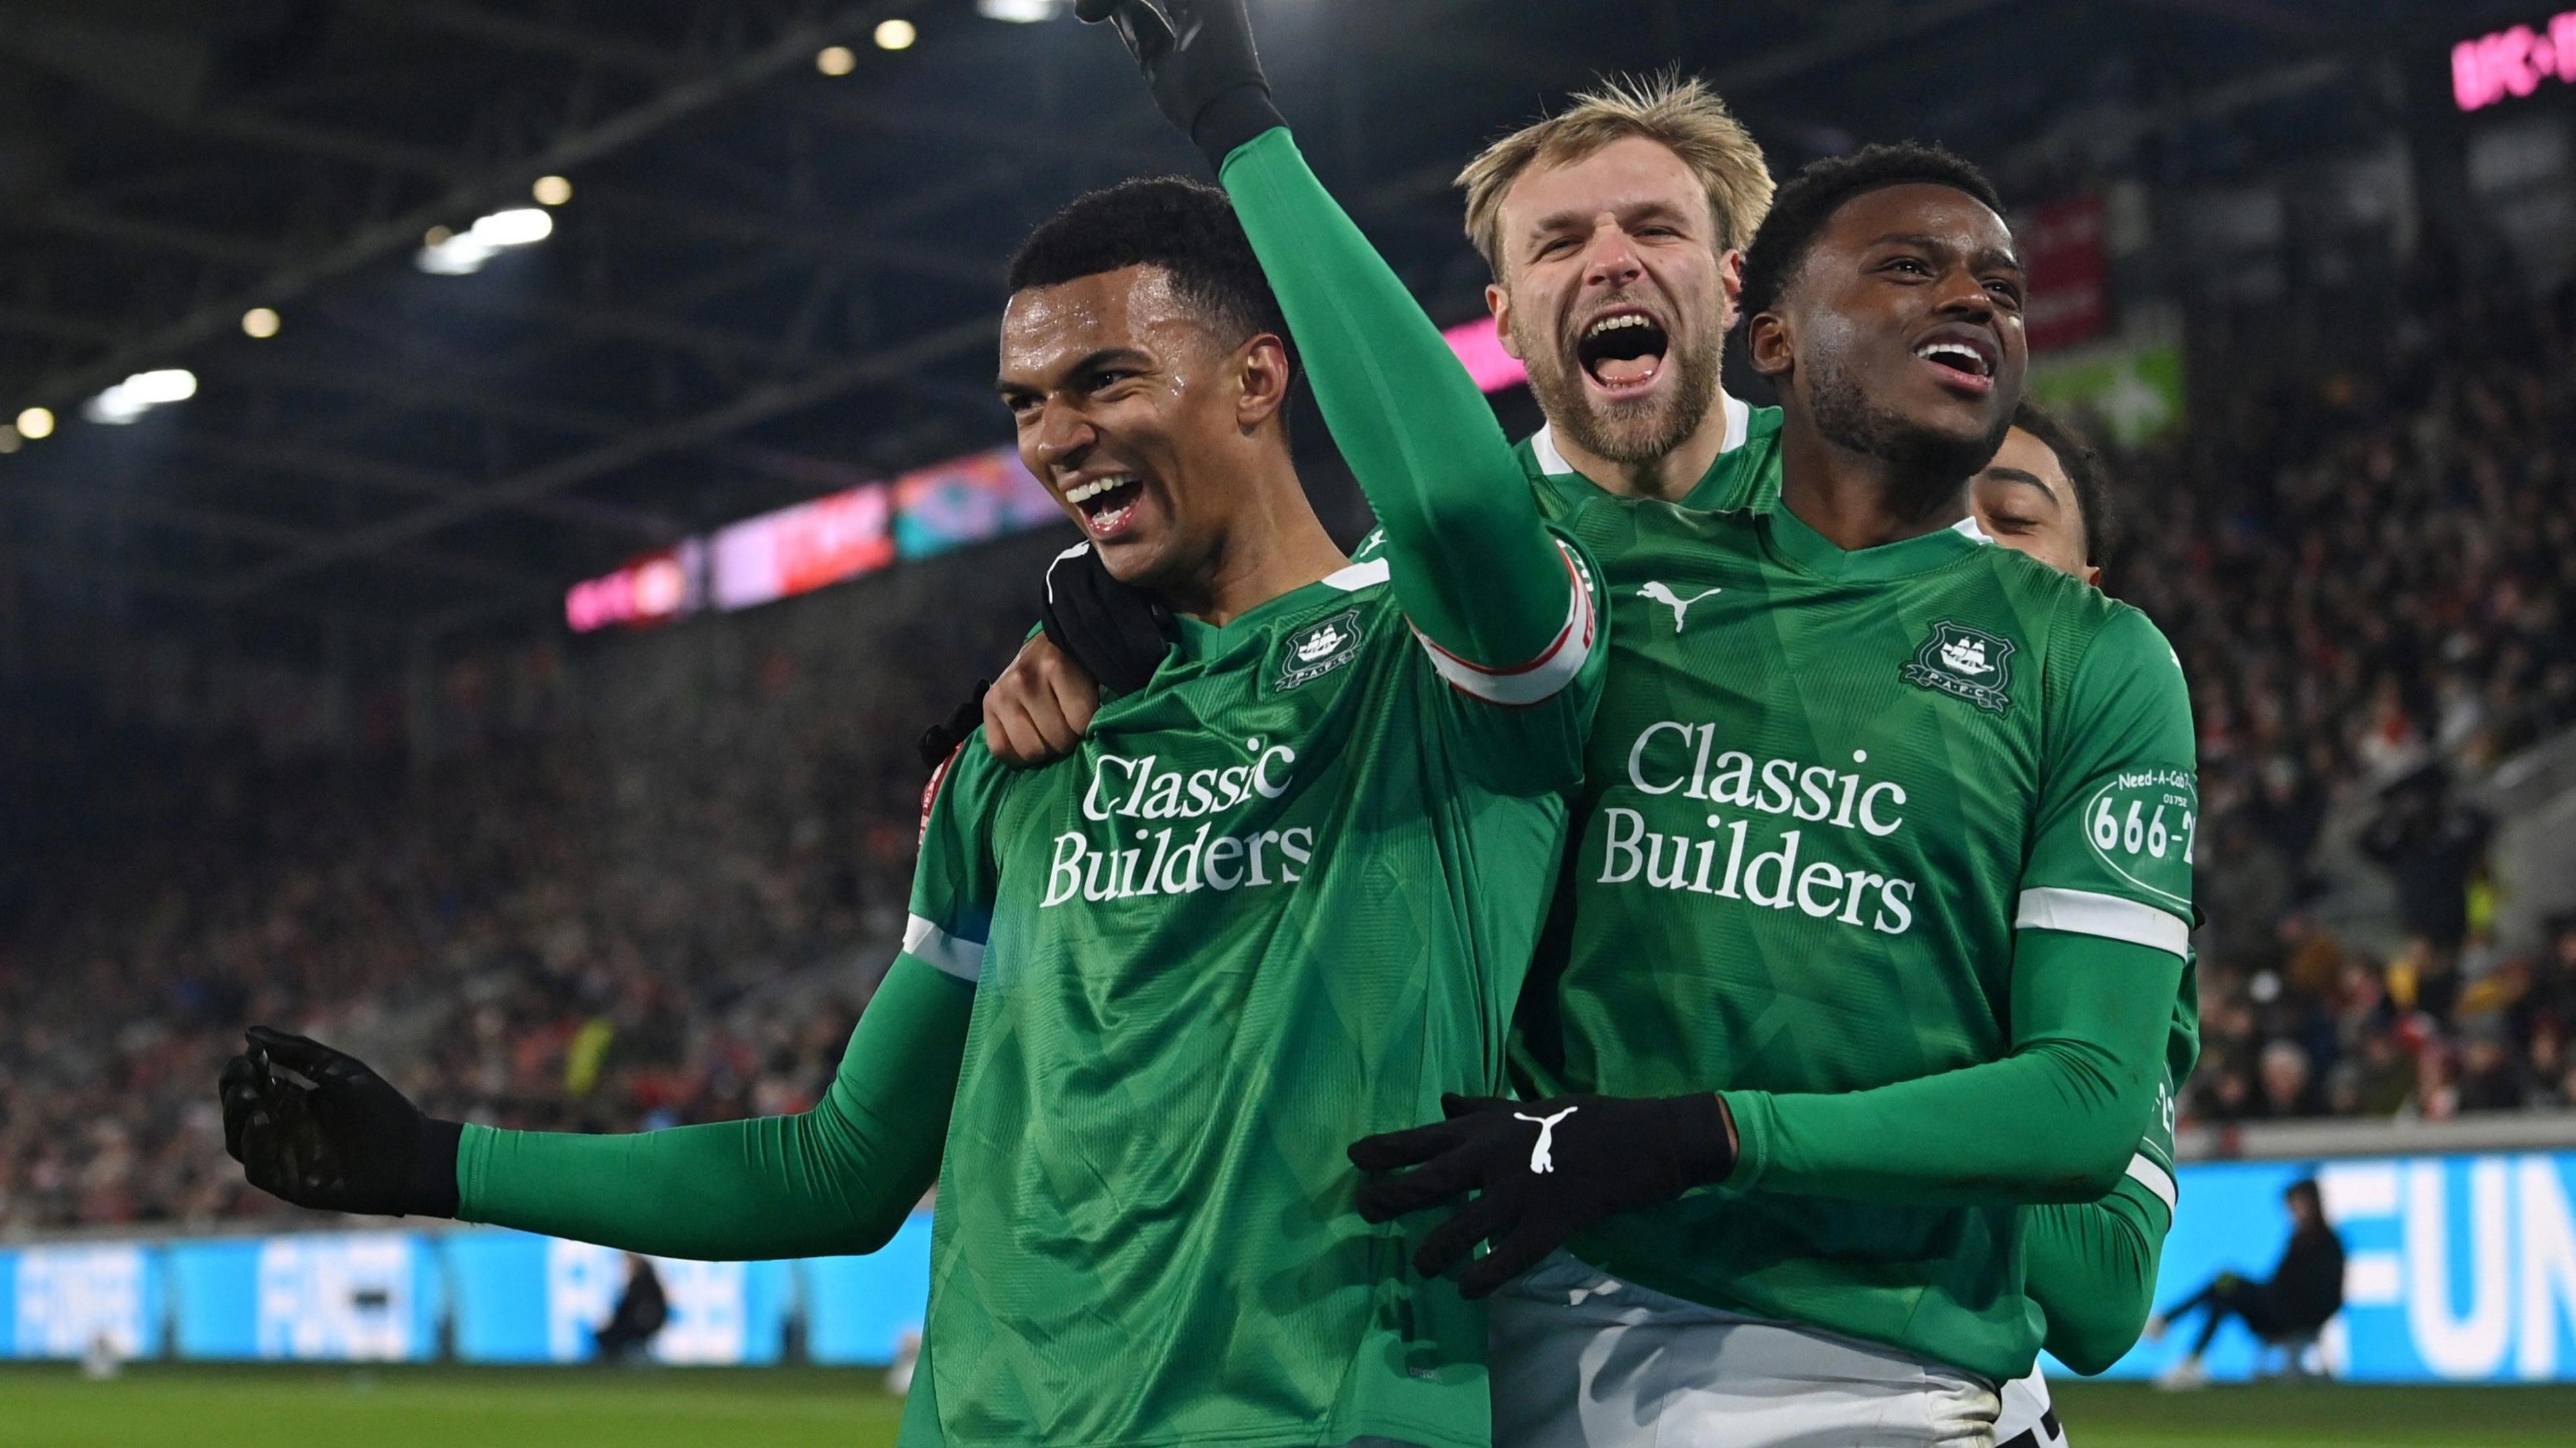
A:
[1200,639]
[1739,426]
[1814,553]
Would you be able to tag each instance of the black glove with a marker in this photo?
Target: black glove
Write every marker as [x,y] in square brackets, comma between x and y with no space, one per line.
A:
[1199,62]
[315,1127]
[941,739]
[1544,1172]
[1118,632]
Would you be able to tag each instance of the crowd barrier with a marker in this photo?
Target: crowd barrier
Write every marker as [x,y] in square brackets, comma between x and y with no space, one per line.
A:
[2460,1268]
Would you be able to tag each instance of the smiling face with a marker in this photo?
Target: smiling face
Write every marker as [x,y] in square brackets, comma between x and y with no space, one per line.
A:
[1139,417]
[2026,502]
[1900,335]
[1616,296]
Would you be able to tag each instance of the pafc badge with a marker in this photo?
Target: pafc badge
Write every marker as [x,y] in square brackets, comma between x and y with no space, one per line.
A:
[1967,662]
[1319,648]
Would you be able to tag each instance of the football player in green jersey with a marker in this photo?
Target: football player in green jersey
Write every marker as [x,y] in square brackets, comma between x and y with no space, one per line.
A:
[1283,896]
[2091,1268]
[1625,1152]
[1860,856]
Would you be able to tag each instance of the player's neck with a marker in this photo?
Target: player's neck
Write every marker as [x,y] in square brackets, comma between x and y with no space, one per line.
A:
[1857,500]
[1669,478]
[1273,545]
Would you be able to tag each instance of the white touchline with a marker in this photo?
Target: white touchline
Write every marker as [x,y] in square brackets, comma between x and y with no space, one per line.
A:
[1540,1157]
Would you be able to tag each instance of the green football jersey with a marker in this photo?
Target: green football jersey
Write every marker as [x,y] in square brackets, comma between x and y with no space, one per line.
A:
[1728,483]
[1280,899]
[1824,790]
[1562,492]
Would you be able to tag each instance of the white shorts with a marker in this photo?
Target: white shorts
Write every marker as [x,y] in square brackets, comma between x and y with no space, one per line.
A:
[2028,1421]
[1581,1361]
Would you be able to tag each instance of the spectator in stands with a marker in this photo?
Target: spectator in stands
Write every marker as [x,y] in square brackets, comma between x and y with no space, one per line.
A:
[2303,1294]
[2430,844]
[2289,1084]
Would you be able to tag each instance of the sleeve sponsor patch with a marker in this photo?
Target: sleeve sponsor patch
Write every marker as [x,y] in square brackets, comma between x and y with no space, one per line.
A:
[2142,825]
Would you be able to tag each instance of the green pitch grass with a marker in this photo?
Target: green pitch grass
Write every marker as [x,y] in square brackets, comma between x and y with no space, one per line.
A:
[2312,1415]
[155,1405]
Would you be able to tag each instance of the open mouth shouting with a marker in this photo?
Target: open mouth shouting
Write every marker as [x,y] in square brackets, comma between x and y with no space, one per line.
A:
[1107,503]
[1622,350]
[1962,358]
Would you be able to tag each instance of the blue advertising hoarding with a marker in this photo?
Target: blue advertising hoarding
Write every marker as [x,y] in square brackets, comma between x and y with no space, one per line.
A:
[59,1301]
[2459,1269]
[529,1299]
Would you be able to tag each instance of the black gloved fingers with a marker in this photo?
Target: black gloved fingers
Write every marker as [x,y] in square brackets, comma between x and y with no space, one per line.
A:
[1390,1150]
[303,1055]
[1492,1214]
[240,1089]
[1514,1253]
[1146,27]
[1452,1175]
[941,740]
[1453,1105]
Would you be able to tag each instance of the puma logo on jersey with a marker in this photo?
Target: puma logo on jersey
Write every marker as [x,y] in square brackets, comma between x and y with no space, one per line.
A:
[1542,1159]
[1658,592]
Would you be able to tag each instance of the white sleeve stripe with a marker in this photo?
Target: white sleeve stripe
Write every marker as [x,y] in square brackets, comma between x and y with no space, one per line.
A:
[937,948]
[2155,1179]
[1543,677]
[2087,912]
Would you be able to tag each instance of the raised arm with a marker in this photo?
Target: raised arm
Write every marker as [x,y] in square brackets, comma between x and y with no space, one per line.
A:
[1473,567]
[837,1179]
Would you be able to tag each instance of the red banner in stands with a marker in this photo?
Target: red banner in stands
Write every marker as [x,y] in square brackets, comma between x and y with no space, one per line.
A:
[2068,268]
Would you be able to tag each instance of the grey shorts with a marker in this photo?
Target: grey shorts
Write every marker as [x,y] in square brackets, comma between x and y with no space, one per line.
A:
[1581,1361]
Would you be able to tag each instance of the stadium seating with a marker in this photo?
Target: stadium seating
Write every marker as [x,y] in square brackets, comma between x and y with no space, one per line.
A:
[651,882]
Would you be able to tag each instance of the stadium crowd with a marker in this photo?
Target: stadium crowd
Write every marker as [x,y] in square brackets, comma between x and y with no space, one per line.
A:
[2370,577]
[667,908]
[661,895]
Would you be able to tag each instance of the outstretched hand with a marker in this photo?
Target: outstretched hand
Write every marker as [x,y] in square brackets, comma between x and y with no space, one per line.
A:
[1543,1172]
[315,1127]
[1199,61]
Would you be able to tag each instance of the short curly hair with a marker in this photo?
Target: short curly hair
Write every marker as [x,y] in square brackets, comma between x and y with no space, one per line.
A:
[1802,207]
[1185,227]
[2086,471]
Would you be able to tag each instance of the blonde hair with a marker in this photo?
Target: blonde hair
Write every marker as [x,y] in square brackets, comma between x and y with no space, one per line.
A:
[1683,115]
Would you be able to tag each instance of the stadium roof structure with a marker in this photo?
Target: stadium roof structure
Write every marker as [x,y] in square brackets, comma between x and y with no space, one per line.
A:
[777,275]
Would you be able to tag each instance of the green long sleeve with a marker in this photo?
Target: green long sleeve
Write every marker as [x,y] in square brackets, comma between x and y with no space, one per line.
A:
[2092,1270]
[1473,566]
[2056,1120]
[837,1179]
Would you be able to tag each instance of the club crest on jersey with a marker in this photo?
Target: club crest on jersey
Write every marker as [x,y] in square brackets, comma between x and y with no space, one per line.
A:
[1968,663]
[1319,648]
